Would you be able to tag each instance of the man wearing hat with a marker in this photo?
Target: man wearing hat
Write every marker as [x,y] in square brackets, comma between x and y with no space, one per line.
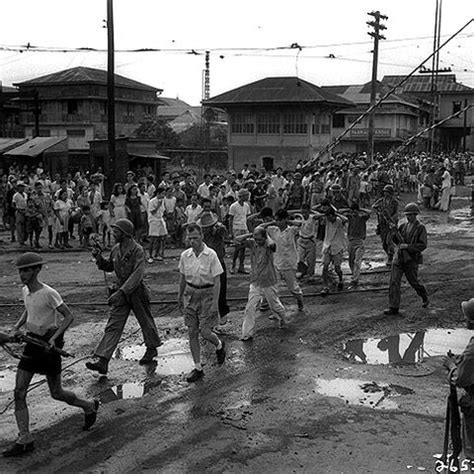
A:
[461,374]
[411,240]
[337,199]
[46,318]
[127,260]
[213,233]
[387,216]
[19,202]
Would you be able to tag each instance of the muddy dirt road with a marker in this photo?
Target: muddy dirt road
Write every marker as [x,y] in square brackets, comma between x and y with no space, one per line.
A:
[342,389]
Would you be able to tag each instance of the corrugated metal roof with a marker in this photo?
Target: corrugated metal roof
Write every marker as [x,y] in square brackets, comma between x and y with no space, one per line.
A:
[151,156]
[277,90]
[172,102]
[85,75]
[35,146]
[9,143]
[422,83]
[360,94]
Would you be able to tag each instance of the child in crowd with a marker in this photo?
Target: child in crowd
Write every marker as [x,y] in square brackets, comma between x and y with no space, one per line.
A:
[104,222]
[157,226]
[87,226]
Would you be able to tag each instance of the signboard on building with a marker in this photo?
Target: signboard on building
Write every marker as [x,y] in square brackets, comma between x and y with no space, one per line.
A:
[364,132]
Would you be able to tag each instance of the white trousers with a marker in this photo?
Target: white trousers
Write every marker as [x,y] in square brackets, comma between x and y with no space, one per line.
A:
[255,294]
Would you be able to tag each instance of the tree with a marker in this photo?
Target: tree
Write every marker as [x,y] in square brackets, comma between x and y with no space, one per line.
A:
[158,130]
[195,136]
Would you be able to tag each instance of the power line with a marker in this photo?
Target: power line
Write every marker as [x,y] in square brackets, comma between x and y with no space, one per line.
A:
[196,51]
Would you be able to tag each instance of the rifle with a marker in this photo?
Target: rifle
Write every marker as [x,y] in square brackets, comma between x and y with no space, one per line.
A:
[5,339]
[403,254]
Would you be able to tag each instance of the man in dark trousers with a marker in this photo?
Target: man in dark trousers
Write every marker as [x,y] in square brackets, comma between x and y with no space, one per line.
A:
[127,260]
[410,240]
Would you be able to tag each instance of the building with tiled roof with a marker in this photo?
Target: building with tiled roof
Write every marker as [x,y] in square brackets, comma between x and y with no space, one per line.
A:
[277,121]
[397,118]
[456,133]
[73,104]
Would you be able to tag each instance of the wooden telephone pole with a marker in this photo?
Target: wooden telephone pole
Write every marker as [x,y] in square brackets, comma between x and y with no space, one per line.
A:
[373,89]
[110,161]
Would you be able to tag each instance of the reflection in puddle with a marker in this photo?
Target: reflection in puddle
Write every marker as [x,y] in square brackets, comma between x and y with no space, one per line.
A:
[7,380]
[456,220]
[360,392]
[174,357]
[128,390]
[407,348]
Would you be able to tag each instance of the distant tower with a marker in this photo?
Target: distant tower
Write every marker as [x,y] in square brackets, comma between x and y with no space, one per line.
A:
[206,86]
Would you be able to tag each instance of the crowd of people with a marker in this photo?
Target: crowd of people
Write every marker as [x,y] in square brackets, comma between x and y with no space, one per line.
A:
[282,218]
[61,209]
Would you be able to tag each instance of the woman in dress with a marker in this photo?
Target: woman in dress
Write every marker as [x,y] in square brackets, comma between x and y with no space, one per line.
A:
[132,206]
[62,210]
[157,226]
[117,203]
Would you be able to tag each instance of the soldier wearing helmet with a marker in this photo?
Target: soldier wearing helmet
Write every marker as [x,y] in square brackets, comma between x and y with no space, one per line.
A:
[410,239]
[386,208]
[127,260]
[46,319]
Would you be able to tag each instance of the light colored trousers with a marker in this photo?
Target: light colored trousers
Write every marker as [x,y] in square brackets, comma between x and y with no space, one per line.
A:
[270,293]
[356,251]
[307,254]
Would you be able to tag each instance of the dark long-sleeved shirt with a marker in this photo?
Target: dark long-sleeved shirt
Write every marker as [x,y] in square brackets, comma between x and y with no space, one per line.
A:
[128,265]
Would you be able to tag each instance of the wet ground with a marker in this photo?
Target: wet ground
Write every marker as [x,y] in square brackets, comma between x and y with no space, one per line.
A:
[342,389]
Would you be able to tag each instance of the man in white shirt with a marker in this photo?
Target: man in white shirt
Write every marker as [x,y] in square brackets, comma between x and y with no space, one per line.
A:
[44,308]
[198,297]
[193,211]
[307,242]
[203,189]
[333,247]
[286,255]
[19,204]
[238,214]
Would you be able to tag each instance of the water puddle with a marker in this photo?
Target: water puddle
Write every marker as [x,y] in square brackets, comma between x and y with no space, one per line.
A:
[7,380]
[363,393]
[407,348]
[444,223]
[174,357]
[128,391]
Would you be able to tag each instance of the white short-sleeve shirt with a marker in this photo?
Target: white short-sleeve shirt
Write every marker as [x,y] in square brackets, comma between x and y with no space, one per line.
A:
[240,214]
[41,309]
[202,269]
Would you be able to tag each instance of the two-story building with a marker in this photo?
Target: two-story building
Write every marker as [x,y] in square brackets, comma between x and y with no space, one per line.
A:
[277,121]
[10,124]
[456,133]
[397,118]
[73,103]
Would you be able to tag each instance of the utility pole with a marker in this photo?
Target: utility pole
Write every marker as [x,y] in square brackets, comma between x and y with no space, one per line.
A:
[205,111]
[110,161]
[377,26]
[434,73]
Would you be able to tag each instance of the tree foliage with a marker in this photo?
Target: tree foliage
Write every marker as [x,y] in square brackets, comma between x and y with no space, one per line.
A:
[158,130]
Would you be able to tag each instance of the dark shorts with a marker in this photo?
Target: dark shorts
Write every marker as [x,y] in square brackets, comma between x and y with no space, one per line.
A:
[38,361]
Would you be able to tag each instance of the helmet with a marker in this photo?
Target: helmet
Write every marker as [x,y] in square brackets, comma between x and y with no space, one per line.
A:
[125,226]
[388,188]
[29,259]
[468,309]
[411,208]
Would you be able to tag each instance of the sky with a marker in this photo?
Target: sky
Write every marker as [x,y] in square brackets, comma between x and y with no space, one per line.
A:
[322,28]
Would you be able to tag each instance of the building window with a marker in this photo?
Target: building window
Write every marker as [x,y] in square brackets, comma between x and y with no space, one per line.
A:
[130,110]
[72,107]
[295,124]
[78,132]
[338,121]
[268,123]
[457,105]
[150,109]
[243,123]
